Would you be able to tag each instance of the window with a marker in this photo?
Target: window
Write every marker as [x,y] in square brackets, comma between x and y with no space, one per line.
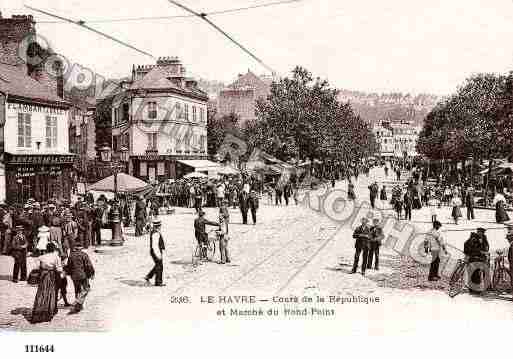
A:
[186,112]
[143,169]
[194,114]
[115,143]
[51,131]
[179,113]
[152,141]
[152,110]
[161,169]
[24,130]
[203,144]
[126,112]
[202,115]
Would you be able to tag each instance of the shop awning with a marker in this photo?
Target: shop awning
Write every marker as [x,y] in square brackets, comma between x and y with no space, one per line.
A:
[200,165]
[125,184]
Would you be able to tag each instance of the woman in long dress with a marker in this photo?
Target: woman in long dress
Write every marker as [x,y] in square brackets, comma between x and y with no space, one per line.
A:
[45,304]
[456,207]
[501,215]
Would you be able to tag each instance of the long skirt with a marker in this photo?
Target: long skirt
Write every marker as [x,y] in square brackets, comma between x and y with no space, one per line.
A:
[500,213]
[456,212]
[45,304]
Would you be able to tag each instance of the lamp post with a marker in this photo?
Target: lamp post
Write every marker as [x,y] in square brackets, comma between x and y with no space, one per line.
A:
[117,165]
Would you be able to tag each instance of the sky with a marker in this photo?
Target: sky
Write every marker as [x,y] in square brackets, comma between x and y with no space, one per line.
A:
[374,46]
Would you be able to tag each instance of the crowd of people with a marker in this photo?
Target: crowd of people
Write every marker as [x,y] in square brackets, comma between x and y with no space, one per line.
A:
[54,233]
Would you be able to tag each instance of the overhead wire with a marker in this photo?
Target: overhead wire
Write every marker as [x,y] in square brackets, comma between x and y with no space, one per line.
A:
[83,25]
[145,18]
[204,17]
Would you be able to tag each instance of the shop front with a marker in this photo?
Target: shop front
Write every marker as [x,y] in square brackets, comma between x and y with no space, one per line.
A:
[41,177]
[153,168]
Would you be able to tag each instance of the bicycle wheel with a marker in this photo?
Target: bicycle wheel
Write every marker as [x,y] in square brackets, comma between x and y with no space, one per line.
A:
[196,256]
[501,280]
[211,250]
[456,282]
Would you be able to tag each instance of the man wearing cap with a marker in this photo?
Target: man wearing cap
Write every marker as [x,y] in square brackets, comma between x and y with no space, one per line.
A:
[199,231]
[81,270]
[19,253]
[469,203]
[476,248]
[157,248]
[362,234]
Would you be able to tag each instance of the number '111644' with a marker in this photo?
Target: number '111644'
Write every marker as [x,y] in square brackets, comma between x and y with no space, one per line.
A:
[39,348]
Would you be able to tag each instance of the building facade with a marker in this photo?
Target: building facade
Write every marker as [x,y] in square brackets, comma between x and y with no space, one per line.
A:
[160,116]
[241,96]
[35,158]
[397,139]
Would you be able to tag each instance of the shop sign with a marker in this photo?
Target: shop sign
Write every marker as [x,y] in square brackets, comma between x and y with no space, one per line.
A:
[31,108]
[40,159]
[30,171]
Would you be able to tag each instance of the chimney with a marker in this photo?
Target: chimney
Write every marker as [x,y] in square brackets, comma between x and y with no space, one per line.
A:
[12,32]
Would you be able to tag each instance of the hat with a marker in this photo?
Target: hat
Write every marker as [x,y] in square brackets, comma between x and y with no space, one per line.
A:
[157,222]
[51,205]
[481,229]
[27,206]
[36,205]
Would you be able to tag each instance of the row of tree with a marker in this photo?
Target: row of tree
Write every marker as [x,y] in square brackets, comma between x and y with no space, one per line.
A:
[475,122]
[300,120]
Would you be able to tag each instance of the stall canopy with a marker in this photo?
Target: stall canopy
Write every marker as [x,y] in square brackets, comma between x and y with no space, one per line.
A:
[195,175]
[201,165]
[126,184]
[227,170]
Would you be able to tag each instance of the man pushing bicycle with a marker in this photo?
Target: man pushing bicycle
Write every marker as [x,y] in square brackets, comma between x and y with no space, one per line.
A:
[200,233]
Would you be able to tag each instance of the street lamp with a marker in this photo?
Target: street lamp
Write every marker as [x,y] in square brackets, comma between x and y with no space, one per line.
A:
[117,165]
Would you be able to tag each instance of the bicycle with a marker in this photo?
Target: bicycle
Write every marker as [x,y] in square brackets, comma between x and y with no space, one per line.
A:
[208,249]
[501,275]
[459,281]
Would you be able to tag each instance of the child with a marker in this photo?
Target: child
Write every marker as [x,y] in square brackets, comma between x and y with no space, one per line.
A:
[434,204]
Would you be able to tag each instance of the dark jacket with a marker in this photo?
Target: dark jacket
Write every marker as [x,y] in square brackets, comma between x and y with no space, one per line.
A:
[362,234]
[200,223]
[474,248]
[79,265]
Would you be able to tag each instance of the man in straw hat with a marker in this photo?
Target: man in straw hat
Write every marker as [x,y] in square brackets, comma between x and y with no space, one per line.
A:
[157,248]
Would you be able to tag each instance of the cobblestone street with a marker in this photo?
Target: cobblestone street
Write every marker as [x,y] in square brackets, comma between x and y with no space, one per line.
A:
[290,251]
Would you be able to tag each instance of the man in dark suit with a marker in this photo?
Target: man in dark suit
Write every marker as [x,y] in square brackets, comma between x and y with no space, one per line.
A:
[140,216]
[200,232]
[244,206]
[373,193]
[253,204]
[469,203]
[376,239]
[407,204]
[476,248]
[362,234]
